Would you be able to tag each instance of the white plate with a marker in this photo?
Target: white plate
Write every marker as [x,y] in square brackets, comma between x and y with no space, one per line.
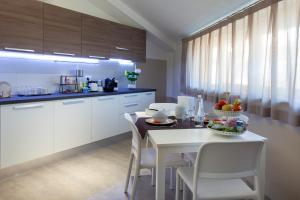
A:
[166,123]
[225,133]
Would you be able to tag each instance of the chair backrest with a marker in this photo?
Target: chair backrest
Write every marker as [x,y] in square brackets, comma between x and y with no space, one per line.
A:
[169,108]
[228,160]
[188,102]
[136,137]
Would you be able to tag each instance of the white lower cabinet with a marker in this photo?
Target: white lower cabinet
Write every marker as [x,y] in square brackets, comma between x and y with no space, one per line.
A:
[33,130]
[147,98]
[130,103]
[105,117]
[72,123]
[26,132]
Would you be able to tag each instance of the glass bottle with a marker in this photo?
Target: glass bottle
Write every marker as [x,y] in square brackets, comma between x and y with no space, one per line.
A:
[199,118]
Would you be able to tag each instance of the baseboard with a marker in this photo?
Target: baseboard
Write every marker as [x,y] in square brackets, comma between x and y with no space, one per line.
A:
[26,167]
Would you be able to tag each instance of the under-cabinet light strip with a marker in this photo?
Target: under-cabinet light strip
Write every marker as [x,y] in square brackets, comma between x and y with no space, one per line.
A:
[10,54]
[59,58]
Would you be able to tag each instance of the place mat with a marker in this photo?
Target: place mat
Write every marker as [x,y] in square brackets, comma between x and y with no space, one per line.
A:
[143,127]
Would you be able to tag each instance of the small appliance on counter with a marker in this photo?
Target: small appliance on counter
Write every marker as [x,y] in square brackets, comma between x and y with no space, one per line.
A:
[5,89]
[110,85]
[93,85]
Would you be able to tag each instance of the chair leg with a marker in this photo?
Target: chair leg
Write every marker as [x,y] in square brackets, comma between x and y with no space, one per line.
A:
[147,141]
[136,174]
[153,177]
[171,178]
[184,191]
[177,186]
[181,185]
[128,172]
[190,163]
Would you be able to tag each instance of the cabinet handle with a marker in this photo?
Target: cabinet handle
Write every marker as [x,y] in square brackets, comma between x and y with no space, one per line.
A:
[64,54]
[18,49]
[73,102]
[128,96]
[40,105]
[122,48]
[99,57]
[131,105]
[105,99]
[149,93]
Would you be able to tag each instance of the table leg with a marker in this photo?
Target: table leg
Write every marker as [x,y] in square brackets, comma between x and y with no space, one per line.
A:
[261,176]
[160,175]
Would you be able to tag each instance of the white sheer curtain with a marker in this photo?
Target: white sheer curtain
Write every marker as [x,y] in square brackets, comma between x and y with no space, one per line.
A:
[256,58]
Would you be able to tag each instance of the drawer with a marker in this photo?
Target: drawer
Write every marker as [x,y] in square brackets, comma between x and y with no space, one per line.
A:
[130,98]
[130,107]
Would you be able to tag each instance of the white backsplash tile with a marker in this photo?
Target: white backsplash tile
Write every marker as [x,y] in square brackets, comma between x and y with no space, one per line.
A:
[22,73]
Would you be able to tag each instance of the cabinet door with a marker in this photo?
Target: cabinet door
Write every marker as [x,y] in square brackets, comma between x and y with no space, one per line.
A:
[139,45]
[62,31]
[72,123]
[105,117]
[26,132]
[121,39]
[148,98]
[129,103]
[95,37]
[21,25]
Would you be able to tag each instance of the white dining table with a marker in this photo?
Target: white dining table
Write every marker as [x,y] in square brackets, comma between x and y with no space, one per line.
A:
[170,141]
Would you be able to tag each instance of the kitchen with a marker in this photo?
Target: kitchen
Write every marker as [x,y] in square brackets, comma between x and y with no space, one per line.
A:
[112,99]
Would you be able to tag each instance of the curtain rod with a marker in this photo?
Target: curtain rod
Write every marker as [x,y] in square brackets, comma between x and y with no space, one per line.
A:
[260,4]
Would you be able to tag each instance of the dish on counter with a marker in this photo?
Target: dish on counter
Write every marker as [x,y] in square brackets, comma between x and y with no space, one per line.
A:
[153,122]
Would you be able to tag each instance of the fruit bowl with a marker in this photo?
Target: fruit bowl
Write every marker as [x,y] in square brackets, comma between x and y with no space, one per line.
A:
[221,113]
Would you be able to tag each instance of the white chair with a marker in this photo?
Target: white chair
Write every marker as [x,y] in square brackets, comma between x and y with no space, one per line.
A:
[188,102]
[144,158]
[219,170]
[169,108]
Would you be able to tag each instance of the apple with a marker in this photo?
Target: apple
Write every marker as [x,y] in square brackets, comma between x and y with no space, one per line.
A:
[237,107]
[227,107]
[222,102]
[237,101]
[217,106]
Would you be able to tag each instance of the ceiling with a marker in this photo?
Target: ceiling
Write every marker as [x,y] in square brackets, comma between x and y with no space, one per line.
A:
[180,18]
[166,20]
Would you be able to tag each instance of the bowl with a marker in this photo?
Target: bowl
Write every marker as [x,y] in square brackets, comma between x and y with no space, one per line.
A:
[160,117]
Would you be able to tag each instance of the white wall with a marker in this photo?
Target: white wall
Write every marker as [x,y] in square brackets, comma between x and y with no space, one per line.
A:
[156,50]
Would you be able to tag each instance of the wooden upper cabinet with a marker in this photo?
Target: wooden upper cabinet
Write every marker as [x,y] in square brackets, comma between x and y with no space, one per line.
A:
[30,25]
[21,25]
[121,40]
[139,45]
[62,31]
[128,43]
[96,42]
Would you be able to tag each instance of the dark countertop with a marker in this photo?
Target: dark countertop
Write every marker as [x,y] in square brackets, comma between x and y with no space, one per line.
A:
[59,96]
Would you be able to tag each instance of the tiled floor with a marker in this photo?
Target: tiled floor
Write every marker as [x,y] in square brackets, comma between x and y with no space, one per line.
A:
[96,174]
